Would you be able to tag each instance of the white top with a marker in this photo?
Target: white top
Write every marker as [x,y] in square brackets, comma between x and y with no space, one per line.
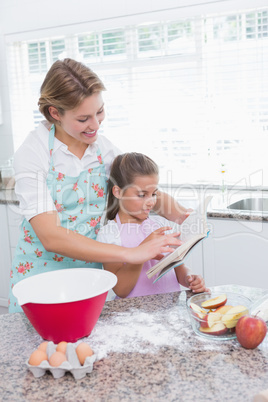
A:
[110,233]
[31,164]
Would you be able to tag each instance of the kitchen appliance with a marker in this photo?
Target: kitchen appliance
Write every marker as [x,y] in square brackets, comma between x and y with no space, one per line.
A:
[64,305]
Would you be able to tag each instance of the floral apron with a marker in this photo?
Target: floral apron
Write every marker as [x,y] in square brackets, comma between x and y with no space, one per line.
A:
[80,202]
[132,234]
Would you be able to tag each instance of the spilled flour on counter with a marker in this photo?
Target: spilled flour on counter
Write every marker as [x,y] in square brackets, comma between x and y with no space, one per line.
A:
[143,332]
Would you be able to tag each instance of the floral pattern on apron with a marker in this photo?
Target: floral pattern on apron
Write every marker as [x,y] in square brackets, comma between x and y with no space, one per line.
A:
[80,202]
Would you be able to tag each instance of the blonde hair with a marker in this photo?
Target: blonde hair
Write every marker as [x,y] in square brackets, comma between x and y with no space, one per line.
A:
[125,168]
[66,85]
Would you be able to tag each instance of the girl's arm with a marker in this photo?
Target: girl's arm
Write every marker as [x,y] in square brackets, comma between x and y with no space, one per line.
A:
[127,276]
[170,209]
[60,240]
[194,282]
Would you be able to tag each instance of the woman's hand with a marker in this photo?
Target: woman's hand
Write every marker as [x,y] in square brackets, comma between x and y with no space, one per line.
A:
[157,233]
[153,247]
[196,283]
[184,213]
[168,207]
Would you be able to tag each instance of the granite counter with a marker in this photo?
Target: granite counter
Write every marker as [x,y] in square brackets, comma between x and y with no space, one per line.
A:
[146,351]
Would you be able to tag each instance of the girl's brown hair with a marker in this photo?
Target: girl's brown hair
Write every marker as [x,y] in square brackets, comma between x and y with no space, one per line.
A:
[124,170]
[66,85]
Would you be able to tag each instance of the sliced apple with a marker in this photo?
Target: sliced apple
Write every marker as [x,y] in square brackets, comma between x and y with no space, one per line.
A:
[210,319]
[199,312]
[223,309]
[217,329]
[215,302]
[232,316]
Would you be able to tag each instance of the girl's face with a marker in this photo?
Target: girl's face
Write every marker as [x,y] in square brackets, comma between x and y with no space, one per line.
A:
[82,123]
[138,199]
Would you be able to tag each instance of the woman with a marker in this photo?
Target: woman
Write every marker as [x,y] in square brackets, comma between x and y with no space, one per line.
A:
[61,178]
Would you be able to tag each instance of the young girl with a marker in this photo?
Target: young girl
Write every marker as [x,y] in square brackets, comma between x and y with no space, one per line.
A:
[132,194]
[61,176]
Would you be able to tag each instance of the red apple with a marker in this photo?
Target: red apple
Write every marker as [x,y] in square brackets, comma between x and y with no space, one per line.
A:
[250,331]
[215,302]
[216,329]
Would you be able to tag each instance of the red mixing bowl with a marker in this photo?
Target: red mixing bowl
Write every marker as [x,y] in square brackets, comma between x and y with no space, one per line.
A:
[64,305]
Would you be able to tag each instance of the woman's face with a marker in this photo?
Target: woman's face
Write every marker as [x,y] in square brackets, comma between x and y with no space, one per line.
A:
[81,123]
[139,198]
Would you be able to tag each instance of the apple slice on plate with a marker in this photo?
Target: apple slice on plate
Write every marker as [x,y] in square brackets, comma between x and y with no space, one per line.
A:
[199,312]
[210,319]
[215,302]
[231,317]
[217,329]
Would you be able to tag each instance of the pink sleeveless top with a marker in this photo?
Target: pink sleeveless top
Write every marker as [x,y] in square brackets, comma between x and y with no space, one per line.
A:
[132,234]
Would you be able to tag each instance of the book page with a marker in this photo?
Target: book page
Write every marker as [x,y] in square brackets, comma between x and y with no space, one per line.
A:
[193,229]
[196,223]
[174,264]
[177,255]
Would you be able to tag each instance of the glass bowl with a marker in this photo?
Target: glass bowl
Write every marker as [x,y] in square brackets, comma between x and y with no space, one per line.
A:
[217,318]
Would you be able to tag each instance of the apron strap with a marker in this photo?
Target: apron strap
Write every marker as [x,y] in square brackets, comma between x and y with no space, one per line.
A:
[51,144]
[118,220]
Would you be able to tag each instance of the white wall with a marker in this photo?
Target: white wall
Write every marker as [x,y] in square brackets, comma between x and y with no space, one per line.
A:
[19,18]
[6,143]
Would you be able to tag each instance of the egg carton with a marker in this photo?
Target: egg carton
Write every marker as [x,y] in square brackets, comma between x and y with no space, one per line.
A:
[72,364]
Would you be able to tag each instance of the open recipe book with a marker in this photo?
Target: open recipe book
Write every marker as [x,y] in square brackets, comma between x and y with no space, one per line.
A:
[193,230]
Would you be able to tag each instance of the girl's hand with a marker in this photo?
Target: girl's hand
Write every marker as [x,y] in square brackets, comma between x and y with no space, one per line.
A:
[196,283]
[153,249]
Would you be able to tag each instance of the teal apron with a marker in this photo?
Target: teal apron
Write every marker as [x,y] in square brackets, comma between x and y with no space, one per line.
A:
[80,202]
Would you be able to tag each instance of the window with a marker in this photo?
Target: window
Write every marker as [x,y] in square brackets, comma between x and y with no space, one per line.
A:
[37,57]
[42,54]
[89,47]
[191,93]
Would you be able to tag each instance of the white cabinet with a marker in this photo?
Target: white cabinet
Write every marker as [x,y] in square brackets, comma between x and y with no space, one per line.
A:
[9,234]
[5,257]
[236,252]
[14,220]
[195,260]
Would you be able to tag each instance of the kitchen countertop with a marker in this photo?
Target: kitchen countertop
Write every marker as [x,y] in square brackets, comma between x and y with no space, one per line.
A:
[8,197]
[146,351]
[190,197]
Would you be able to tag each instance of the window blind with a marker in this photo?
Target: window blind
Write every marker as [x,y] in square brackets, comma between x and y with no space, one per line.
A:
[192,93]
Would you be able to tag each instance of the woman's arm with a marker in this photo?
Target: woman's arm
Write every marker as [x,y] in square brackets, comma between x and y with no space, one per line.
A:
[60,240]
[170,209]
